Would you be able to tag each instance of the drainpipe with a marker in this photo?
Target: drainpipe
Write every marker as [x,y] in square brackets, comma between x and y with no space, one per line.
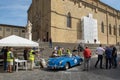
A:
[107,25]
[116,27]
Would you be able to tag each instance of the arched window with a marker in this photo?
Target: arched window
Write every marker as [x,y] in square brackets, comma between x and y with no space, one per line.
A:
[114,30]
[69,20]
[102,27]
[110,29]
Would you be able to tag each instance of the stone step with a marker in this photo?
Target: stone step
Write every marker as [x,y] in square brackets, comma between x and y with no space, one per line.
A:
[48,51]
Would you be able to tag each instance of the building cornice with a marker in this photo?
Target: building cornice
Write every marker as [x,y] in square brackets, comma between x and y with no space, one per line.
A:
[107,7]
[29,8]
[12,26]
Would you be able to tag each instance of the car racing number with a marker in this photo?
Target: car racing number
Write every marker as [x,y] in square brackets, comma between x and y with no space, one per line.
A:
[75,61]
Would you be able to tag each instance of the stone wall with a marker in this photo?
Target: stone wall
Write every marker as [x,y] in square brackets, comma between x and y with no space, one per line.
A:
[7,30]
[50,20]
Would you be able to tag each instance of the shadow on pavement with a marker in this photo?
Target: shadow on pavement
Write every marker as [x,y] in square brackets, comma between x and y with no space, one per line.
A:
[113,73]
[52,70]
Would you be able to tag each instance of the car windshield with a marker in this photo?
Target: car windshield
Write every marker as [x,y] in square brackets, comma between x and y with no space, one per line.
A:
[64,55]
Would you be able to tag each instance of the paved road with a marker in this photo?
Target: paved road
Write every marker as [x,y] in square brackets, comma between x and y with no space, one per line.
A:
[74,73]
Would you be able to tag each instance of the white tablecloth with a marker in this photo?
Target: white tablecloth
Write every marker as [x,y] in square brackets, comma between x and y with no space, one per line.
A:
[20,61]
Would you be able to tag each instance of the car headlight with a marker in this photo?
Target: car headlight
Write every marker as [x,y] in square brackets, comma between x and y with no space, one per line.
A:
[48,61]
[60,62]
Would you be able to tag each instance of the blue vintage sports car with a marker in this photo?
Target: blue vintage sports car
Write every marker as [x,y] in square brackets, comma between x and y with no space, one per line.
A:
[64,62]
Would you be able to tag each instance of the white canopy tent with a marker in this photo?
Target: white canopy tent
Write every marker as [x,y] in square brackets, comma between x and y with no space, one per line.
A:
[16,41]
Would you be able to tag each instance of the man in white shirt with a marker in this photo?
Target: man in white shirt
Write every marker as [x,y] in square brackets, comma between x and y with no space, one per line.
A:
[99,51]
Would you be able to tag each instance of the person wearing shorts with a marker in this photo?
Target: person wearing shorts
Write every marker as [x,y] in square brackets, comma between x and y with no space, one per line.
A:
[10,58]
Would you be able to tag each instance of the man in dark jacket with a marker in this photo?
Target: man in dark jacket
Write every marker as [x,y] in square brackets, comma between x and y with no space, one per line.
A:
[4,52]
[80,48]
[25,54]
[114,57]
[108,53]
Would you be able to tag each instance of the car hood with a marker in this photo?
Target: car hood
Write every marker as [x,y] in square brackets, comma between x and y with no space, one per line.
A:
[58,59]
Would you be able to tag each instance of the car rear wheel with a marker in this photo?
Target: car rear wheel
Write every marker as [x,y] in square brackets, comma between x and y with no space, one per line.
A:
[67,66]
[80,62]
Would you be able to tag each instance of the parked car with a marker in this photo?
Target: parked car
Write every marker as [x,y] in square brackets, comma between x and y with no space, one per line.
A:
[64,62]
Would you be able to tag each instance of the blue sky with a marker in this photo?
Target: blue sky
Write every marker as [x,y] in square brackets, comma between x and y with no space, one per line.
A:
[14,12]
[114,3]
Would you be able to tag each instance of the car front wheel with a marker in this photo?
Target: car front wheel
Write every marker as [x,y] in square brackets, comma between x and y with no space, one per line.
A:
[67,66]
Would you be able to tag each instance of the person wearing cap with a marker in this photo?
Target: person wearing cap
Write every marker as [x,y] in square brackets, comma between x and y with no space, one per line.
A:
[87,56]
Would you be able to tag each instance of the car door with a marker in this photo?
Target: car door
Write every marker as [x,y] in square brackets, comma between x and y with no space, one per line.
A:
[74,61]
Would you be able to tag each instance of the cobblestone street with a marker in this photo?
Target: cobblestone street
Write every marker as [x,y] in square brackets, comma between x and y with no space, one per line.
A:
[59,39]
[74,73]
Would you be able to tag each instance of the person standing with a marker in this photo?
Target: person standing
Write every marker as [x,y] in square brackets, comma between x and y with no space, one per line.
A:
[25,54]
[5,58]
[108,53]
[80,48]
[68,51]
[31,58]
[59,52]
[50,42]
[74,51]
[95,41]
[99,51]
[114,57]
[10,58]
[87,56]
[4,51]
[44,39]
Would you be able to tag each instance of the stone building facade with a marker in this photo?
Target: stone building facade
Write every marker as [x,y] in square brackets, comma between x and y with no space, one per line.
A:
[7,30]
[61,20]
